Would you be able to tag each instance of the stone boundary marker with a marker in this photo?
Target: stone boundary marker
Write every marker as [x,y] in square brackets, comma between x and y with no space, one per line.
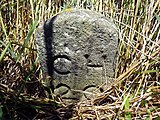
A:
[79,50]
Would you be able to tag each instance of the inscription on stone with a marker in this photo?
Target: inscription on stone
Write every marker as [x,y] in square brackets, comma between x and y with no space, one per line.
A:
[78,49]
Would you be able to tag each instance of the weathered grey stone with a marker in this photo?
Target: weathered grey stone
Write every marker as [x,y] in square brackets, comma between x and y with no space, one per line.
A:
[78,49]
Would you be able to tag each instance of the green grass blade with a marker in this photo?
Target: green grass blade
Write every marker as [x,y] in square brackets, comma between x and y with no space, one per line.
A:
[4,52]
[27,39]
[28,76]
[10,49]
[1,113]
[149,71]
[158,18]
[32,69]
[127,107]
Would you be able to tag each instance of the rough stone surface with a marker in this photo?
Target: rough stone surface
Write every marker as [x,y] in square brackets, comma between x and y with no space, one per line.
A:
[78,49]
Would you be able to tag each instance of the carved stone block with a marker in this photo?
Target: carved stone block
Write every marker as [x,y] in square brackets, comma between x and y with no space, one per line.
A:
[78,49]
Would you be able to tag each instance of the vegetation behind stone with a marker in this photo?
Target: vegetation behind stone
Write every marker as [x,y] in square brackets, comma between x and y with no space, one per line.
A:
[135,94]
